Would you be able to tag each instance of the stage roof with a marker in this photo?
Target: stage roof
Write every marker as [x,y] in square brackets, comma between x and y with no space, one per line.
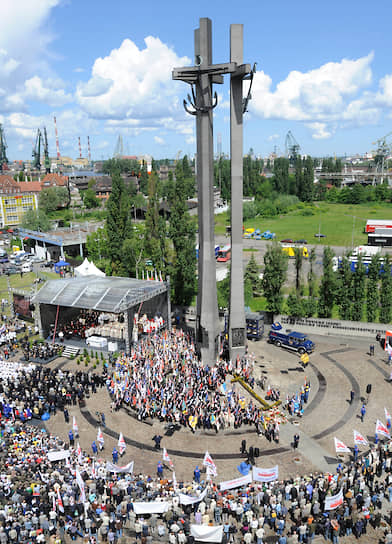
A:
[109,294]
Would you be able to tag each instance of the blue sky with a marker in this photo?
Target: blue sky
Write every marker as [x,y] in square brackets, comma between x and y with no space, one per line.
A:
[104,69]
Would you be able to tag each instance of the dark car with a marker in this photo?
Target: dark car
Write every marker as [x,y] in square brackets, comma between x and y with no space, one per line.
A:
[11,270]
[301,241]
[318,235]
[287,241]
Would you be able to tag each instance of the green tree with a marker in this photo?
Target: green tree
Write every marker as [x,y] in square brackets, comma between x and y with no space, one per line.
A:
[281,175]
[52,198]
[298,177]
[359,290]
[386,292]
[372,292]
[36,220]
[308,181]
[344,289]
[298,255]
[89,199]
[327,286]
[275,272]
[295,306]
[117,224]
[155,227]
[252,274]
[143,180]
[182,232]
[97,245]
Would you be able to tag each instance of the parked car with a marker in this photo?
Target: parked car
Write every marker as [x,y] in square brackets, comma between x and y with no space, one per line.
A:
[287,241]
[11,270]
[318,235]
[301,241]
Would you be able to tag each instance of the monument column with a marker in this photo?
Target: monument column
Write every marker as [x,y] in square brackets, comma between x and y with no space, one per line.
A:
[207,320]
[237,324]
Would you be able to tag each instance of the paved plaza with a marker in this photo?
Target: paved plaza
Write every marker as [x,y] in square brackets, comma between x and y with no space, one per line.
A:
[337,367]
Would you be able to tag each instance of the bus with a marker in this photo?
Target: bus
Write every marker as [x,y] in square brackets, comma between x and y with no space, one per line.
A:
[224,254]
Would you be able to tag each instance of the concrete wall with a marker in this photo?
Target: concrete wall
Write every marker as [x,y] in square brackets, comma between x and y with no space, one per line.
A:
[333,327]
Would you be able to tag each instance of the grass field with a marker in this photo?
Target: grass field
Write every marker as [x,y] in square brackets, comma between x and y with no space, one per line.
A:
[342,224]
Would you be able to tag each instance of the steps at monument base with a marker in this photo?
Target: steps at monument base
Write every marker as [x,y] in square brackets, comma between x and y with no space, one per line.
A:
[70,351]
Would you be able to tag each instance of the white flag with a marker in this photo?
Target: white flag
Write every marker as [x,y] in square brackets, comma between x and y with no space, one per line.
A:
[341,447]
[100,438]
[359,439]
[121,444]
[174,481]
[387,415]
[75,426]
[166,458]
[60,501]
[80,482]
[80,454]
[209,463]
[381,429]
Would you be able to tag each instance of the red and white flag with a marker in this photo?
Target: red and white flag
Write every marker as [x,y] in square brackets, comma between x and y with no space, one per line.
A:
[75,426]
[80,454]
[54,504]
[340,447]
[381,429]
[387,415]
[93,471]
[100,438]
[60,501]
[174,481]
[359,439]
[121,444]
[209,463]
[166,458]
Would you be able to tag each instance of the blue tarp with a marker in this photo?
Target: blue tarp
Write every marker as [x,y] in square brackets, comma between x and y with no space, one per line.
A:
[59,265]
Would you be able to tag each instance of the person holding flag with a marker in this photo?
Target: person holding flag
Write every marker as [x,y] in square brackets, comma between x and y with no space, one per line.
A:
[100,439]
[388,418]
[209,463]
[121,445]
[167,459]
[75,427]
[94,447]
[115,455]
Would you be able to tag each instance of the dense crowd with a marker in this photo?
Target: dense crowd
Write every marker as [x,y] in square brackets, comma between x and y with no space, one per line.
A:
[163,378]
[42,351]
[77,327]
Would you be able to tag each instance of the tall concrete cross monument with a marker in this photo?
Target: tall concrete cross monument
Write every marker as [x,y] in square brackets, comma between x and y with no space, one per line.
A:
[201,103]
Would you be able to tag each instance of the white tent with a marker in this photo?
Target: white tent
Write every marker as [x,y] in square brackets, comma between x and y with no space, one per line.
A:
[88,269]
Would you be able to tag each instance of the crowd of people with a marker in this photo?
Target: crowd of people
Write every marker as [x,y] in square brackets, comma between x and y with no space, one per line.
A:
[30,391]
[163,378]
[41,351]
[77,327]
[80,496]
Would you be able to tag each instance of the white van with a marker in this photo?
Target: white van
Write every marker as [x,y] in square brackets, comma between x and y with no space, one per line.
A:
[27,267]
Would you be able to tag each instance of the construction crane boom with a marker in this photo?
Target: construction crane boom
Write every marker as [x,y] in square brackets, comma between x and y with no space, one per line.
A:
[37,151]
[57,140]
[292,148]
[46,152]
[3,147]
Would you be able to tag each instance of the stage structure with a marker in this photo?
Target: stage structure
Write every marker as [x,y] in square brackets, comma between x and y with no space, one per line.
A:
[201,103]
[58,302]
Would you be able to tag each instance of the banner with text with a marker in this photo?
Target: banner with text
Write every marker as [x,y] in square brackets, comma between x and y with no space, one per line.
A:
[237,482]
[265,474]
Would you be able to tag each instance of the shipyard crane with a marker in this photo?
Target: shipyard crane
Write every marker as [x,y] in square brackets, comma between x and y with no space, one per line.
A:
[292,148]
[382,152]
[3,147]
[37,151]
[46,152]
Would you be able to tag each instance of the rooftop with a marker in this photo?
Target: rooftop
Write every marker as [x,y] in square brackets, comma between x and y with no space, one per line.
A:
[108,294]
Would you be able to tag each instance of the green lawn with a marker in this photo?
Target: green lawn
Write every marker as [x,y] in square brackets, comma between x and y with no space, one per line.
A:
[343,224]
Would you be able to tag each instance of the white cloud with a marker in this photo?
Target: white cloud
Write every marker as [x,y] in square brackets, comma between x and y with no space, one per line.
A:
[273,137]
[134,84]
[45,91]
[159,140]
[79,70]
[320,131]
[322,93]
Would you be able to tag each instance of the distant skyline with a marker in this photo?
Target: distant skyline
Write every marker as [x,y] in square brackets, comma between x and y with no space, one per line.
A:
[104,69]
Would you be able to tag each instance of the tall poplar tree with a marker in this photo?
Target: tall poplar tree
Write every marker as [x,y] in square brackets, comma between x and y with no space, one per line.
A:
[327,286]
[275,273]
[182,232]
[386,292]
[344,289]
[372,292]
[359,291]
[117,224]
[155,227]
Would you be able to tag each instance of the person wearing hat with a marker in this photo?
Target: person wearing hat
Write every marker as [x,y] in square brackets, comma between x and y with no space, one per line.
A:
[196,474]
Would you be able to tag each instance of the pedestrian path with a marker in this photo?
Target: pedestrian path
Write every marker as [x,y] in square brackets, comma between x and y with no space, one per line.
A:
[308,448]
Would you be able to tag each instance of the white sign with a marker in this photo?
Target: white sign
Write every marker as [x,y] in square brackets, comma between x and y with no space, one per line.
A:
[111,467]
[57,455]
[187,499]
[150,507]
[237,482]
[265,474]
[332,502]
[205,533]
